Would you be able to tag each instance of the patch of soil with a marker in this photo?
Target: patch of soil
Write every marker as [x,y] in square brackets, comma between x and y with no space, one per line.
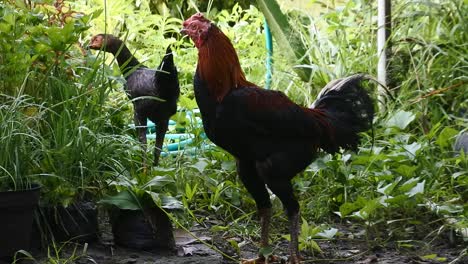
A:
[349,248]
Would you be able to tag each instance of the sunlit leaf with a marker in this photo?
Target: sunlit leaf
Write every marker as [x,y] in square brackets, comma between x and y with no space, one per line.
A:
[445,138]
[328,233]
[419,188]
[405,170]
[412,148]
[387,189]
[123,200]
[347,208]
[370,207]
[401,119]
[158,181]
[408,185]
[165,201]
[200,165]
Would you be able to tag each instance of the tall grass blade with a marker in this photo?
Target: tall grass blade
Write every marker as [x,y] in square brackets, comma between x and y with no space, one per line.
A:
[286,38]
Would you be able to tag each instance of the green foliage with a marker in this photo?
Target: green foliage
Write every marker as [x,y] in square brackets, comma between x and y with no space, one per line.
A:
[20,141]
[309,233]
[64,117]
[285,37]
[57,254]
[57,129]
[140,190]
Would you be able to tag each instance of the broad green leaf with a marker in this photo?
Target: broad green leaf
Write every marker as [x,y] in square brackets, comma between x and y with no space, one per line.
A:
[412,149]
[123,200]
[217,228]
[10,18]
[434,257]
[234,244]
[266,251]
[228,165]
[408,185]
[305,228]
[158,181]
[401,119]
[387,189]
[446,136]
[286,38]
[397,200]
[370,208]
[314,246]
[419,188]
[187,103]
[165,201]
[449,208]
[200,165]
[407,171]
[347,208]
[5,28]
[328,233]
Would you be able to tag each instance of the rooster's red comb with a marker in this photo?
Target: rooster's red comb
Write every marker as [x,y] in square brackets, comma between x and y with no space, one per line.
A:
[196,17]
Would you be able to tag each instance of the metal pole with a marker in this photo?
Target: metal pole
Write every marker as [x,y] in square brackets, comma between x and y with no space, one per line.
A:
[383,47]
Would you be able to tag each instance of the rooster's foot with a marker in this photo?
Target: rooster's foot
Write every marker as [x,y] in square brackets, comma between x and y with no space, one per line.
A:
[295,259]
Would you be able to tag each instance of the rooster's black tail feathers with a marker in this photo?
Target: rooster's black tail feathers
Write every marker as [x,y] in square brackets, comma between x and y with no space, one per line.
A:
[350,109]
[166,67]
[166,75]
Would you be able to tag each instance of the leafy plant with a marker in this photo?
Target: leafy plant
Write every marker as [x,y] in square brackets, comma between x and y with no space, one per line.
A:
[143,190]
[57,254]
[286,38]
[20,140]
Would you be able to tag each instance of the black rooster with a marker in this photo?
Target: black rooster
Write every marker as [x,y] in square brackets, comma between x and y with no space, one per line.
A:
[142,84]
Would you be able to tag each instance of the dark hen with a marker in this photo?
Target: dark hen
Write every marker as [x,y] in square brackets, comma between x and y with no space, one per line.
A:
[271,137]
[142,84]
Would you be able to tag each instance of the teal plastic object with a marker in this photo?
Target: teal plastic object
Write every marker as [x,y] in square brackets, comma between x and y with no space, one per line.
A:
[184,140]
[269,58]
[188,151]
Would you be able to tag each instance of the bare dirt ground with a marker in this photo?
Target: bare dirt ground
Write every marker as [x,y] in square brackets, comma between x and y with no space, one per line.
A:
[349,248]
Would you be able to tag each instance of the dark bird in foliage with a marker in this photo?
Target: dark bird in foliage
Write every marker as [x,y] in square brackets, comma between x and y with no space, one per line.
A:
[271,137]
[154,93]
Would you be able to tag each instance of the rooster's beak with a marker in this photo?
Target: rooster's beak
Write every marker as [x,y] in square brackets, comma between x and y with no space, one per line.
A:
[183,31]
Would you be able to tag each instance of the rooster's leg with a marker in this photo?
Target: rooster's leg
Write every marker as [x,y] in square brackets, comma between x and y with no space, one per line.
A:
[284,191]
[294,243]
[161,129]
[256,187]
[265,216]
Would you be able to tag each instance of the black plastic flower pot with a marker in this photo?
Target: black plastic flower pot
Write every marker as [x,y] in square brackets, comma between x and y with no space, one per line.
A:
[144,230]
[77,222]
[16,217]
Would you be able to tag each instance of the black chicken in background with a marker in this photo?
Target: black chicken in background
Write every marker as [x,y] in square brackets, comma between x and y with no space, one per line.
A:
[142,84]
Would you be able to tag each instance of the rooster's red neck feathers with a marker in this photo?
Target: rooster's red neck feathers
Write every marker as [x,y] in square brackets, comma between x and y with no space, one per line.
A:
[218,64]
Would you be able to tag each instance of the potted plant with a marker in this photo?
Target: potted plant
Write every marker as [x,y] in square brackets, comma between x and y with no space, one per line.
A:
[19,195]
[73,178]
[137,209]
